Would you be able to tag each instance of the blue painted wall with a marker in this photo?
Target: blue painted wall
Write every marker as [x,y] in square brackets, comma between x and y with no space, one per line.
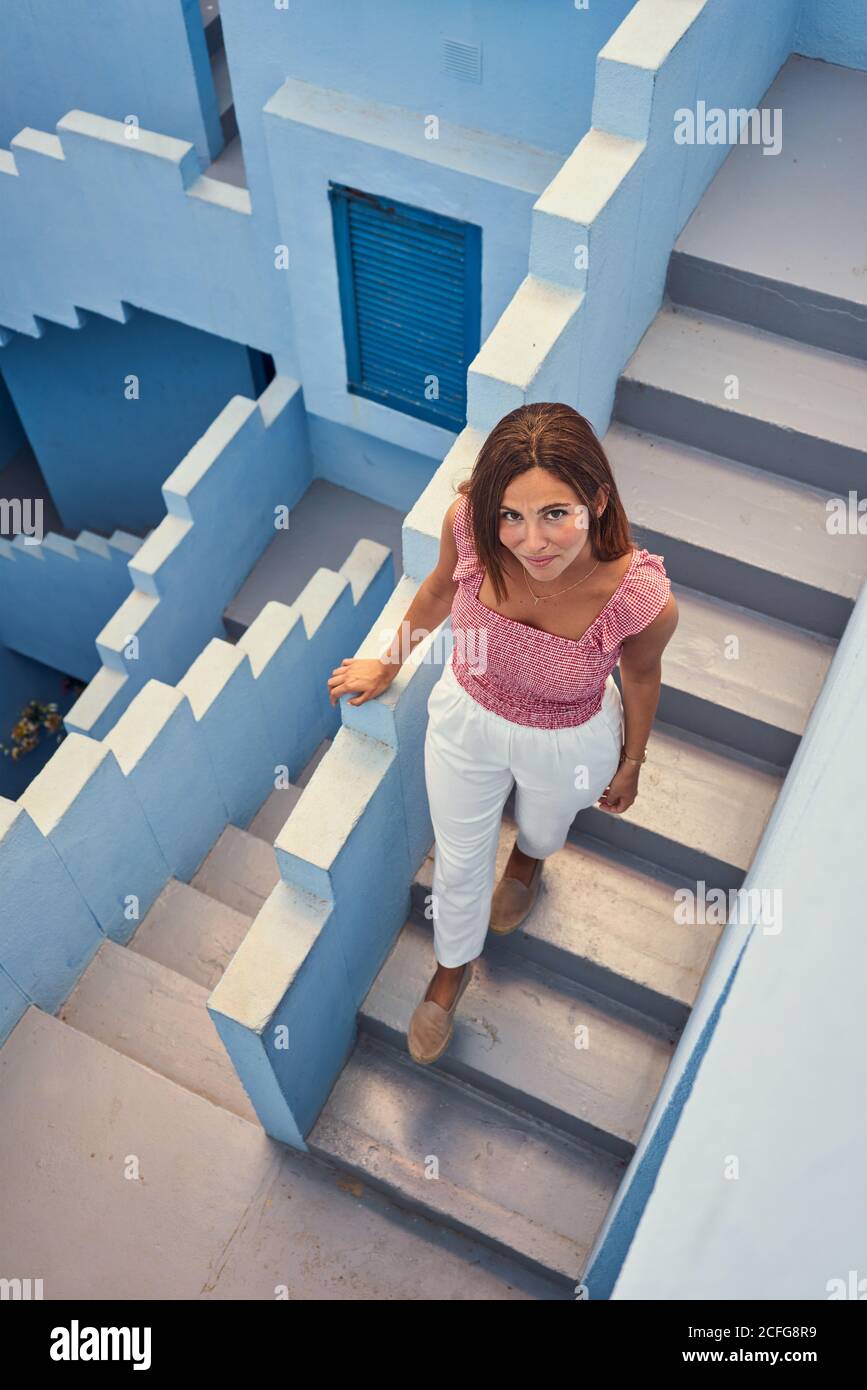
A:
[140,226]
[106,819]
[386,472]
[315,135]
[220,515]
[834,30]
[537,60]
[104,457]
[209,261]
[56,596]
[12,436]
[395,57]
[148,60]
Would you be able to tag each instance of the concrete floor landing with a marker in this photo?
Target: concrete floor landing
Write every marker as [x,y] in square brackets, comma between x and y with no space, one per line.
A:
[794,223]
[323,528]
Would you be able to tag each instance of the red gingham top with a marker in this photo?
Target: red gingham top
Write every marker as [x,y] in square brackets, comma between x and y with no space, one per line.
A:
[539,678]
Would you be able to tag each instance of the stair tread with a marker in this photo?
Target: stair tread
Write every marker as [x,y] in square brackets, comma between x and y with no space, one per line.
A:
[778,673]
[124,540]
[757,518]
[501,1176]
[69,1214]
[190,933]
[156,1017]
[607,911]
[514,1037]
[97,545]
[695,794]
[784,382]
[756,214]
[274,812]
[240,871]
[218,1210]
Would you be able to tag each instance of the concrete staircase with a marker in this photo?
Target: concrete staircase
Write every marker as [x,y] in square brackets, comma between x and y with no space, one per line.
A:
[531,1131]
[532,1119]
[131,1069]
[58,592]
[518,1137]
[147,1000]
[120,1182]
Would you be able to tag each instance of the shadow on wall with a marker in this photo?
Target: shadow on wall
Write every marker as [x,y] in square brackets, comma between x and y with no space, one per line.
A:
[109,408]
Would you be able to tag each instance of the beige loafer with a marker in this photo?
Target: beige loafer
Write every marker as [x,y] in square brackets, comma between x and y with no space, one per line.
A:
[512,901]
[430,1028]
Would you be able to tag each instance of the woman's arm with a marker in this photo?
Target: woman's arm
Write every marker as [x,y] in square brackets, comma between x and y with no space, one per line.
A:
[432,603]
[641,681]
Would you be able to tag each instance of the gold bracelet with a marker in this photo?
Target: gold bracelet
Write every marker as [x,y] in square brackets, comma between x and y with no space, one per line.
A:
[626,758]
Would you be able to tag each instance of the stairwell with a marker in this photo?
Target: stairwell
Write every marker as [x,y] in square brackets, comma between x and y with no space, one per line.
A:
[519,1136]
[532,1128]
[148,999]
[57,592]
[162,1148]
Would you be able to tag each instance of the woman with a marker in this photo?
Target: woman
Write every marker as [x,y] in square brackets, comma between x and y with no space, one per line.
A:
[546,593]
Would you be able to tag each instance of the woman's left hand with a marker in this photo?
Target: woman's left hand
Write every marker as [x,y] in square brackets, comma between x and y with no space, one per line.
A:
[622,790]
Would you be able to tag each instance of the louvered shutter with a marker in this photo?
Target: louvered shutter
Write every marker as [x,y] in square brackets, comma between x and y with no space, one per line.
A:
[410,296]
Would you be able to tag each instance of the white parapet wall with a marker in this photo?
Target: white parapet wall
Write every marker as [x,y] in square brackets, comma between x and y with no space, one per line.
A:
[121,255]
[347,857]
[56,594]
[604,228]
[101,829]
[221,503]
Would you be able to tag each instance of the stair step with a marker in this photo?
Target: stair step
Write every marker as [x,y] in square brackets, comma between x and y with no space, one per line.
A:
[76,1109]
[757,699]
[274,813]
[158,1018]
[97,545]
[766,301]
[239,871]
[191,933]
[217,1209]
[801,412]
[738,533]
[780,242]
[700,811]
[328,520]
[502,1177]
[124,540]
[515,1039]
[606,922]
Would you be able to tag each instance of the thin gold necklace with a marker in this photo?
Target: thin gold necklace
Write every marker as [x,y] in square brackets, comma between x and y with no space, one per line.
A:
[538,597]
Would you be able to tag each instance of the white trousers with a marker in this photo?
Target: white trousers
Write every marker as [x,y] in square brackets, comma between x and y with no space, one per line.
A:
[471,758]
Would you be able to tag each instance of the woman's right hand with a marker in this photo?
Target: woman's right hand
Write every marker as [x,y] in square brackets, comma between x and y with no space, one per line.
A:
[367,675]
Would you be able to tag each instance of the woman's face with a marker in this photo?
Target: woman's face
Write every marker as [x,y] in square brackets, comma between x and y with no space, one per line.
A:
[544,523]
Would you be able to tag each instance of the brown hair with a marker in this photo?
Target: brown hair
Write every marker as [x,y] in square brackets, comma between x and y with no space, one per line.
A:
[544,434]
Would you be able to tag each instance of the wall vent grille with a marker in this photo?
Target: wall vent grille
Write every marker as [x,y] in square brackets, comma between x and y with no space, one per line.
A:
[462,60]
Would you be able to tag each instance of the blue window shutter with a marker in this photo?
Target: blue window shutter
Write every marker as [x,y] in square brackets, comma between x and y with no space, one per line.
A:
[410,298]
